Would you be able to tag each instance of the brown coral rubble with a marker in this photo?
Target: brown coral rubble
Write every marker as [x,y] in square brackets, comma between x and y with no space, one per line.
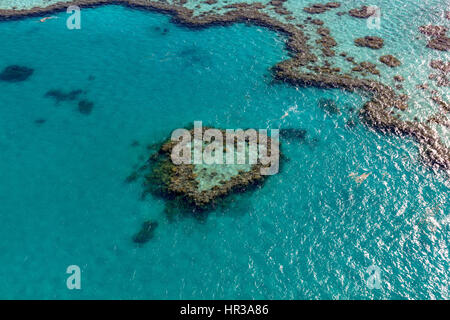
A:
[390,60]
[363,13]
[370,42]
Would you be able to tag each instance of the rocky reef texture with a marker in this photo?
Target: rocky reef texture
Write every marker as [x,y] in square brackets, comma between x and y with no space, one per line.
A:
[367,67]
[326,41]
[439,43]
[439,40]
[370,42]
[363,13]
[199,185]
[440,65]
[378,113]
[390,60]
[439,119]
[329,106]
[431,30]
[321,8]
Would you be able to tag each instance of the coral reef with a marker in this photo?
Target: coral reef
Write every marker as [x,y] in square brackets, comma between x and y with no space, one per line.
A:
[321,8]
[326,41]
[366,66]
[329,106]
[15,73]
[377,113]
[363,13]
[440,65]
[390,60]
[440,43]
[317,22]
[198,186]
[370,42]
[431,30]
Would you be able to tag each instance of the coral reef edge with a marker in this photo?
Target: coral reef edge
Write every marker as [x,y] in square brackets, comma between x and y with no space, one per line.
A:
[375,113]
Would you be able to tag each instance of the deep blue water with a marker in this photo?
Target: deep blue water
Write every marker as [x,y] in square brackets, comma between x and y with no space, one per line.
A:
[309,232]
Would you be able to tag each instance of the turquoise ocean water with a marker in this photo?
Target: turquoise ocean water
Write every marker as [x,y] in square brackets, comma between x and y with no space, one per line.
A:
[309,232]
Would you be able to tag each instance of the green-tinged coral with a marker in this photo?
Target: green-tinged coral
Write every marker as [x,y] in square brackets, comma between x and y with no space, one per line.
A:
[196,187]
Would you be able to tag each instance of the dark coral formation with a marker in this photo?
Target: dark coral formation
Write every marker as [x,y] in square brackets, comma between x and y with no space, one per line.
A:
[434,31]
[321,8]
[317,22]
[367,66]
[15,73]
[326,41]
[329,106]
[180,182]
[376,113]
[60,95]
[439,119]
[439,43]
[440,78]
[440,65]
[146,233]
[439,40]
[441,103]
[85,107]
[293,134]
[390,60]
[40,121]
[370,42]
[363,13]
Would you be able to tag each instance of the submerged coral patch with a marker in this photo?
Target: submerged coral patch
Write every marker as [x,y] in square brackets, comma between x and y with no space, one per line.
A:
[60,95]
[440,43]
[16,73]
[431,30]
[40,121]
[85,107]
[293,134]
[146,233]
[317,8]
[363,13]
[390,60]
[440,65]
[329,106]
[199,185]
[370,42]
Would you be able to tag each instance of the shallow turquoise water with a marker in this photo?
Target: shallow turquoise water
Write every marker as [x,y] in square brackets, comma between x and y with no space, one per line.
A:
[310,232]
